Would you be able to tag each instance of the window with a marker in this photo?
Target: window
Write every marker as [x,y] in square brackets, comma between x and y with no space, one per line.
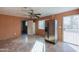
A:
[41,24]
[71,29]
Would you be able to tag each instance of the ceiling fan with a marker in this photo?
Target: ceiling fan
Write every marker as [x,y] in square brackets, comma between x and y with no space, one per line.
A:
[31,14]
[34,15]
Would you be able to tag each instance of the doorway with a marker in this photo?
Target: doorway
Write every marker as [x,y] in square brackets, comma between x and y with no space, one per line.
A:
[24,27]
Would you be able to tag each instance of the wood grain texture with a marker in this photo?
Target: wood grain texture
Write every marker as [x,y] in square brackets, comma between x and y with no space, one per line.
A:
[10,27]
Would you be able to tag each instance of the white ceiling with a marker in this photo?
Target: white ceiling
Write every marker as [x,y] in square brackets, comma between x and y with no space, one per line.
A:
[45,11]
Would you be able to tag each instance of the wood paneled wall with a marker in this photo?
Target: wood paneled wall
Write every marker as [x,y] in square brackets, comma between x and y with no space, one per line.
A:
[10,27]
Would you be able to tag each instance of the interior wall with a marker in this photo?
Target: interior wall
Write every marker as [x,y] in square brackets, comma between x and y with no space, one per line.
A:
[10,27]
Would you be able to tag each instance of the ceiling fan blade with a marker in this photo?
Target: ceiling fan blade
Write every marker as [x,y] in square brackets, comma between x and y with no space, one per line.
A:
[37,14]
[30,13]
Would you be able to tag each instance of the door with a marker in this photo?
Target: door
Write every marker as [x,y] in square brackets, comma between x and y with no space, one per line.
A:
[71,29]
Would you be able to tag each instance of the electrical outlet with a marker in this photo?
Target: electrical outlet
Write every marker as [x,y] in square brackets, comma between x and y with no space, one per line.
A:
[14,33]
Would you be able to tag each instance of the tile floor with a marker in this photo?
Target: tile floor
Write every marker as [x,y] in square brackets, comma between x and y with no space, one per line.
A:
[33,44]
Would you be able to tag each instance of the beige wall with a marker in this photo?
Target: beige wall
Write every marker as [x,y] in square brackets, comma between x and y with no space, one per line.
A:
[10,27]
